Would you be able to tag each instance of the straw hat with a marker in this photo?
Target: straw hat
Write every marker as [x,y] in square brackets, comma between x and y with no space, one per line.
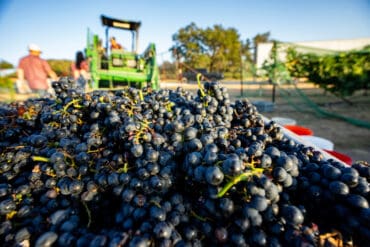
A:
[34,47]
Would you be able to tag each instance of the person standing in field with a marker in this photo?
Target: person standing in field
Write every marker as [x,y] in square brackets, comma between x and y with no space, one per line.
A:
[35,71]
[80,70]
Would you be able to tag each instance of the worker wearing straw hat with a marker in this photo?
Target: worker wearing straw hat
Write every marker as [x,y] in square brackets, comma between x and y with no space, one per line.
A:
[35,70]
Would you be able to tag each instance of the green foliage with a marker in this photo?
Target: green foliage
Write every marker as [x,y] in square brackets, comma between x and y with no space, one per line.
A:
[246,50]
[229,75]
[61,67]
[216,48]
[188,44]
[7,84]
[249,69]
[297,63]
[168,70]
[5,65]
[341,74]
[5,77]
[261,38]
[168,67]
[275,69]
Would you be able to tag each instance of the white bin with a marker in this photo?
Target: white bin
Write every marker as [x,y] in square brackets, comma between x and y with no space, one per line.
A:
[319,142]
[284,121]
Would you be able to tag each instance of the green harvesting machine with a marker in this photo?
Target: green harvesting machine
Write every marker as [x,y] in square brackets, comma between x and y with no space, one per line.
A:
[111,68]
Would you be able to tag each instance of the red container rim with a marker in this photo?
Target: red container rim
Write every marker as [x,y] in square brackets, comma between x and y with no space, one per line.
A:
[345,158]
[299,130]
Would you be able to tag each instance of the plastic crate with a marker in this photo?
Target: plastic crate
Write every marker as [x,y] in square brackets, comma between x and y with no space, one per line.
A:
[284,121]
[264,106]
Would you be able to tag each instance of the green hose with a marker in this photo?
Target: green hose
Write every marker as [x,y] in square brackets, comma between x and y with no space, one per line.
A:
[319,110]
[286,97]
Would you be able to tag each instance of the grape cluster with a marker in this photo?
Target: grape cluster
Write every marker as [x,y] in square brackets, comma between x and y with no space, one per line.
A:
[167,168]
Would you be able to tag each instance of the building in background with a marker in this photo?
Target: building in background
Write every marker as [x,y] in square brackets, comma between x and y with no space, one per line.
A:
[318,47]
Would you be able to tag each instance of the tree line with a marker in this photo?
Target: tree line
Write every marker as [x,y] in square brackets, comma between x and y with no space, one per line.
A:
[216,48]
[341,73]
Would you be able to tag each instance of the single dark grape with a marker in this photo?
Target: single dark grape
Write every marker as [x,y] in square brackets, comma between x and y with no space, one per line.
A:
[162,230]
[47,239]
[214,175]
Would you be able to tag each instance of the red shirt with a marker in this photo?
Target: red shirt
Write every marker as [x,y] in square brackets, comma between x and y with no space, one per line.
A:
[36,71]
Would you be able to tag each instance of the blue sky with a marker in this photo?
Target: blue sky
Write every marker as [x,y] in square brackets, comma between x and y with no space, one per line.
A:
[60,27]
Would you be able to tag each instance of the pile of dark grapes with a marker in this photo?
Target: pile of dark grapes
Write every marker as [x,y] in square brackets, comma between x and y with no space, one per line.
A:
[168,168]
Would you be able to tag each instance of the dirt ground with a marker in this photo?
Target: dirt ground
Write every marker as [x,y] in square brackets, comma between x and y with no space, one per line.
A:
[347,138]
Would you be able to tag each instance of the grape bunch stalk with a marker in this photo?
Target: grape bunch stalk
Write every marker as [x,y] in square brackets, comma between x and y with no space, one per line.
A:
[137,167]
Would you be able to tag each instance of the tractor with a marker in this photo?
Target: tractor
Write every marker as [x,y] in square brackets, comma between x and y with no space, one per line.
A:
[113,68]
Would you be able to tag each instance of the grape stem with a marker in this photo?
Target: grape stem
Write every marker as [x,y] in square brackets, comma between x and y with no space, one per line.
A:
[70,158]
[141,95]
[125,167]
[169,106]
[200,85]
[95,150]
[88,214]
[242,177]
[195,215]
[40,158]
[10,215]
[73,102]
[155,203]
